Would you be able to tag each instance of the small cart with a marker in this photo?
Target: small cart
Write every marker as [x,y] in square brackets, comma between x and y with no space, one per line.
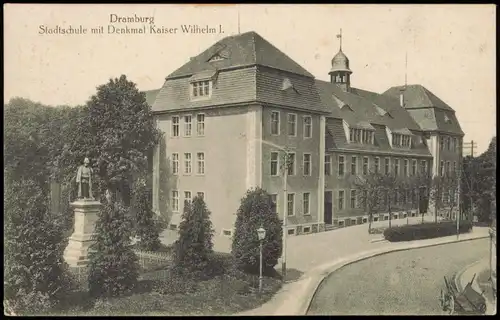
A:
[469,301]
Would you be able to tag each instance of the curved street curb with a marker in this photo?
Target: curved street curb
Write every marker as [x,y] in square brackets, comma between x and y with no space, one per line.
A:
[321,272]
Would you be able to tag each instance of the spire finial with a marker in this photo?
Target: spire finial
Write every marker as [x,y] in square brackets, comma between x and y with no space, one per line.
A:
[340,37]
[238,20]
[406,68]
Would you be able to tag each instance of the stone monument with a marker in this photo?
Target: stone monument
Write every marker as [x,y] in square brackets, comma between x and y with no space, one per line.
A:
[86,209]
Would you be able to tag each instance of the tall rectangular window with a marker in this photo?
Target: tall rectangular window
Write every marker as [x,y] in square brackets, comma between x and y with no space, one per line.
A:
[354,165]
[275,122]
[307,126]
[307,164]
[454,167]
[187,163]
[175,126]
[274,163]
[365,165]
[291,204]
[328,165]
[175,201]
[187,197]
[441,143]
[292,124]
[377,164]
[200,124]
[175,163]
[396,167]
[405,168]
[341,200]
[353,199]
[441,168]
[187,126]
[274,203]
[305,202]
[341,165]
[423,166]
[448,143]
[200,157]
[414,167]
[448,168]
[291,166]
[387,165]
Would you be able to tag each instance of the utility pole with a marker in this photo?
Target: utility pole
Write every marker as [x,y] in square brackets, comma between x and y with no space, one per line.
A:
[285,214]
[469,176]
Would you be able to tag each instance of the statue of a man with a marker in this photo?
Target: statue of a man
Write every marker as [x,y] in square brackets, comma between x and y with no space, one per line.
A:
[84,180]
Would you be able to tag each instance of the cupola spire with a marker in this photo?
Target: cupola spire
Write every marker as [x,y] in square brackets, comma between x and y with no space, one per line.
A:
[340,73]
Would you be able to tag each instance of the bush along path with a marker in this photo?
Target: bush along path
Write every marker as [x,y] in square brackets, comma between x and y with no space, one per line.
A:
[426,231]
[197,281]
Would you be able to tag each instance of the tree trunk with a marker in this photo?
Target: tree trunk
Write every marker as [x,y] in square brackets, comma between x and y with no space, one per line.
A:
[390,217]
[370,218]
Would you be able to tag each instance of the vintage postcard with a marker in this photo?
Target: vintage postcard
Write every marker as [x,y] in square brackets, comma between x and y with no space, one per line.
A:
[260,159]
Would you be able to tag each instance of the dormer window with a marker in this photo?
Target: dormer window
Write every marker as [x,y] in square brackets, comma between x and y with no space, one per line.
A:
[401,140]
[216,58]
[201,84]
[364,136]
[201,88]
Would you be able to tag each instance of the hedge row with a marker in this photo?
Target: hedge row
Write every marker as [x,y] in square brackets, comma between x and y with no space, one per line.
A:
[426,231]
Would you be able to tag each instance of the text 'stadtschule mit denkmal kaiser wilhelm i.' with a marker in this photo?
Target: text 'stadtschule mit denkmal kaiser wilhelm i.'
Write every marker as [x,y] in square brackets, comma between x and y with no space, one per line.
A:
[129,25]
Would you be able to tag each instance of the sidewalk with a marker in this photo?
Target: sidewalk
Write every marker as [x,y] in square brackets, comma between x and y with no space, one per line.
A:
[465,277]
[325,252]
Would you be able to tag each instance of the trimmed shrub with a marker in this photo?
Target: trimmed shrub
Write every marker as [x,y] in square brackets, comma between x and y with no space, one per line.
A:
[426,231]
[256,210]
[194,248]
[113,265]
[34,277]
[147,228]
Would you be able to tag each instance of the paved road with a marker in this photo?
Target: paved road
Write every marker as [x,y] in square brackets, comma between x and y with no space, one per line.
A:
[407,282]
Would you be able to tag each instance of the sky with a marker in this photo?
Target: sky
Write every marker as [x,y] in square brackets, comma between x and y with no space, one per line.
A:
[450,49]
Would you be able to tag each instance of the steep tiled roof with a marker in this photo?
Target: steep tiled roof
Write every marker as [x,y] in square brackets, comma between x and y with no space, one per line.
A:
[336,140]
[244,49]
[367,110]
[254,84]
[417,96]
[151,96]
[430,112]
[364,106]
[232,87]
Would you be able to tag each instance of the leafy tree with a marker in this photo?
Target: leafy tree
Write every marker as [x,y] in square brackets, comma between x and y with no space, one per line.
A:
[419,185]
[256,211]
[34,135]
[451,185]
[436,194]
[35,278]
[147,227]
[117,132]
[194,247]
[371,192]
[113,265]
[389,184]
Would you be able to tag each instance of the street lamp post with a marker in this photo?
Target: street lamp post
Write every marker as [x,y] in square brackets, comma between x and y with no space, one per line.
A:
[285,204]
[261,233]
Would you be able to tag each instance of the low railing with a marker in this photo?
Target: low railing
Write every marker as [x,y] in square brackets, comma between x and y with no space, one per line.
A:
[147,258]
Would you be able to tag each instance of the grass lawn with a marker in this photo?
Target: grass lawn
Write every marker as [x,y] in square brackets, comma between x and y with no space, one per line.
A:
[164,292]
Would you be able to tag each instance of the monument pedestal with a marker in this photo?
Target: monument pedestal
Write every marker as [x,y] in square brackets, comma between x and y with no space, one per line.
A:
[76,253]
